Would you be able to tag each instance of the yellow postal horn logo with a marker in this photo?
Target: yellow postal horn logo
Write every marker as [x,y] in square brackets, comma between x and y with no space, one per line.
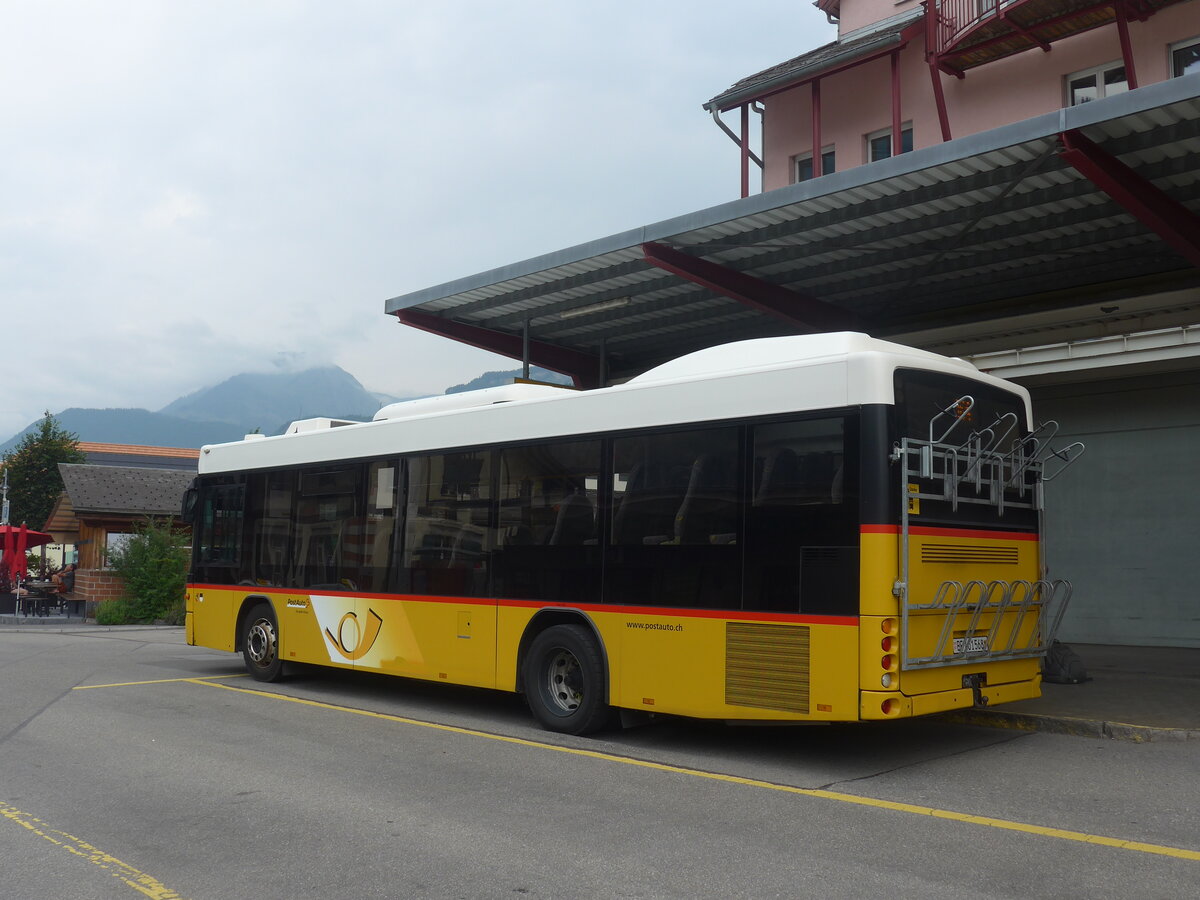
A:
[353,641]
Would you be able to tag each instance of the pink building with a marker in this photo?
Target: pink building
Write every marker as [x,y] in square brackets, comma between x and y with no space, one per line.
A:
[909,74]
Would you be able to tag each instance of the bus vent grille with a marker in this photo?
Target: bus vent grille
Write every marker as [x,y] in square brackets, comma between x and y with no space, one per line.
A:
[953,553]
[766,666]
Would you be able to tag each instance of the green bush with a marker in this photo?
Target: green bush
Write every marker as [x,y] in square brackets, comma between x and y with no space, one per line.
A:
[153,565]
[114,612]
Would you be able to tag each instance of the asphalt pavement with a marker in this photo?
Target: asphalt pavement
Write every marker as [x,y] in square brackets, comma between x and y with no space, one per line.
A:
[1131,693]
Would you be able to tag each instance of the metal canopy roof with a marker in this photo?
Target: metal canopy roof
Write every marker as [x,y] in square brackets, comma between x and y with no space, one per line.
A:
[977,229]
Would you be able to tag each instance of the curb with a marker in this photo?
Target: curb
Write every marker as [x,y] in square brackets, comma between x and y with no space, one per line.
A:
[44,621]
[1093,728]
[52,623]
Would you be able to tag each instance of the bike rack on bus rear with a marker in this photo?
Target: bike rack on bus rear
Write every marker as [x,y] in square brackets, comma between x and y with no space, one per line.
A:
[1005,472]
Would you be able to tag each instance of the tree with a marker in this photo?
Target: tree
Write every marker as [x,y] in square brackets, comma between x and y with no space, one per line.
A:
[34,482]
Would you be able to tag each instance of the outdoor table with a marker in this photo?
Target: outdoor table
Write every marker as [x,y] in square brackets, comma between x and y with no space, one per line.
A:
[41,592]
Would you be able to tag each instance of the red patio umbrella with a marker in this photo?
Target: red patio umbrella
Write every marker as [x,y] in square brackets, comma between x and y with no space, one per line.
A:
[19,564]
[7,543]
[16,541]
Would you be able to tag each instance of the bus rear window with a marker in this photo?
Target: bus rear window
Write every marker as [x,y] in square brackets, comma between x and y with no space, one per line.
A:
[921,396]
[998,415]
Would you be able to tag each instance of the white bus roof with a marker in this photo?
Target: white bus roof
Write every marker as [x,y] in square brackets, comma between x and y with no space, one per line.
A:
[766,376]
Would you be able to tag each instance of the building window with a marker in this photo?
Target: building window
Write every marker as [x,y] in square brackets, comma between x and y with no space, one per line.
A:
[1095,84]
[114,542]
[1185,58]
[804,166]
[879,143]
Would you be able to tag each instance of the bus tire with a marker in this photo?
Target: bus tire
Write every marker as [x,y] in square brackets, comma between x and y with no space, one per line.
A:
[563,674]
[260,643]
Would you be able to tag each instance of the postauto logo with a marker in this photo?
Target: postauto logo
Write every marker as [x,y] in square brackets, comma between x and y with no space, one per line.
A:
[347,638]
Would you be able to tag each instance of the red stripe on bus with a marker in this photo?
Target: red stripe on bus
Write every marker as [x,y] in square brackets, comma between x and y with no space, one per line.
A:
[669,611]
[688,613]
[952,532]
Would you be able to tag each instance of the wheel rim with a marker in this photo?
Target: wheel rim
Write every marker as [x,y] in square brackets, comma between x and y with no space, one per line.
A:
[563,685]
[260,643]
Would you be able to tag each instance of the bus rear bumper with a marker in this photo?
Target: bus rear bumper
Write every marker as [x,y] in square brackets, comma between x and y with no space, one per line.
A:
[874,705]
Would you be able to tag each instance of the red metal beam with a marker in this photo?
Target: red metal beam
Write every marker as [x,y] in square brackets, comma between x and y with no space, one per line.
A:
[935,65]
[798,310]
[745,149]
[1126,46]
[1161,213]
[583,367]
[897,118]
[818,167]
[939,98]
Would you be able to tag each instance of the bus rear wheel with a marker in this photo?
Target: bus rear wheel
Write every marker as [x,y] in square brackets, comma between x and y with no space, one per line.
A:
[260,644]
[563,675]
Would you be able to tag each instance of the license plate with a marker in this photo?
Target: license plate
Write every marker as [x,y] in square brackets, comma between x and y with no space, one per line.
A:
[971,645]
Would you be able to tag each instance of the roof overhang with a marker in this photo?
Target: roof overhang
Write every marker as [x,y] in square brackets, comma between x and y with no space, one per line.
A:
[993,226]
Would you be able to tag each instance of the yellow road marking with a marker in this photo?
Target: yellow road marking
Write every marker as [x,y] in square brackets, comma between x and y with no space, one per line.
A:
[88,687]
[139,881]
[967,818]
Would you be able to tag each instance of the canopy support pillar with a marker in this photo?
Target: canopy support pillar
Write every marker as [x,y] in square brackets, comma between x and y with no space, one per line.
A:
[582,367]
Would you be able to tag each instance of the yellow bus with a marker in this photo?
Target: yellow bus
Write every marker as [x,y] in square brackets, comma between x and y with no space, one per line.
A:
[795,529]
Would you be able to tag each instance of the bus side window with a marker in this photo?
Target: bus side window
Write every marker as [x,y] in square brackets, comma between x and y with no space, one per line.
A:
[675,526]
[327,500]
[371,536]
[547,543]
[448,535]
[802,520]
[222,515]
[219,529]
[271,517]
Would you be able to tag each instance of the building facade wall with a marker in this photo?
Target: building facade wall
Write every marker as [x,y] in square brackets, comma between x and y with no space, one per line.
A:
[858,101]
[856,14]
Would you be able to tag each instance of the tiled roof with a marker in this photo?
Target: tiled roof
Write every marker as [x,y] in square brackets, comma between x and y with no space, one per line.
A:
[125,490]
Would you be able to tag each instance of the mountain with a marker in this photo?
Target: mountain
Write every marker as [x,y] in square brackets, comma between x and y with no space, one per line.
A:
[226,411]
[245,403]
[495,379]
[137,426]
[266,401]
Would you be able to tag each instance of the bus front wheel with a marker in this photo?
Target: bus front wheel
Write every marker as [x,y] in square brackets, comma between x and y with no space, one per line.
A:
[260,644]
[564,680]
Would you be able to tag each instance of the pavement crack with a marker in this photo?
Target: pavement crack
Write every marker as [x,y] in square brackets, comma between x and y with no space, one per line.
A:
[20,726]
[1008,739]
[16,729]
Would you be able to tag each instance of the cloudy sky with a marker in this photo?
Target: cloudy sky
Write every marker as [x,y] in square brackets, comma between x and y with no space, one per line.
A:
[197,188]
